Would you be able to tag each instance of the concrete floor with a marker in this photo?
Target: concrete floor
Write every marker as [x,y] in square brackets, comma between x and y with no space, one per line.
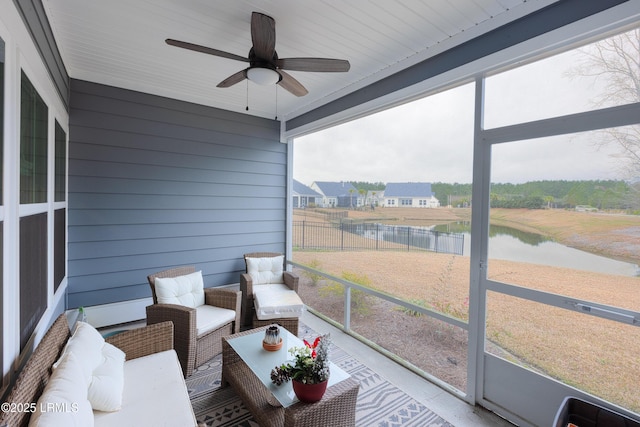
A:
[448,406]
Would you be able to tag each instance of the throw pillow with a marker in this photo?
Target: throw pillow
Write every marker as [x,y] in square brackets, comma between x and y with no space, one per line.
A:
[86,343]
[107,381]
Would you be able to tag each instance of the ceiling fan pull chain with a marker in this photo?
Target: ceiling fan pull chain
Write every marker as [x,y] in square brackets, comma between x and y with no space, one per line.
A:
[247,109]
[276,86]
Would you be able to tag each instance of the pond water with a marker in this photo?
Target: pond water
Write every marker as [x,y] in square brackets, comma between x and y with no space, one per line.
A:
[514,245]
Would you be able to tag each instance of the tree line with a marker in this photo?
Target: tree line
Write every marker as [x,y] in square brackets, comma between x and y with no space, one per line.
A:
[600,194]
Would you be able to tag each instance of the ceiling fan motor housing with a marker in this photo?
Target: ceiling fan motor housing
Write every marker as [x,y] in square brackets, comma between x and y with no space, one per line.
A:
[255,62]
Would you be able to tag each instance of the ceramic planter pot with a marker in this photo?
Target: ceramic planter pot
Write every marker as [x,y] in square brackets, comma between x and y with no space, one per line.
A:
[309,393]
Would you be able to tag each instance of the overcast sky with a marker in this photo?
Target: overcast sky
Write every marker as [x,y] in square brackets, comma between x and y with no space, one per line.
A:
[431,140]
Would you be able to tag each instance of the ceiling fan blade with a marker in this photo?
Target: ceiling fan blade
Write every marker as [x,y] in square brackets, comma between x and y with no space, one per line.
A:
[263,35]
[233,79]
[291,84]
[204,49]
[324,65]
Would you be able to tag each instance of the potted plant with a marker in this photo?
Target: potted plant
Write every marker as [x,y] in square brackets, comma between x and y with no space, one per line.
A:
[308,371]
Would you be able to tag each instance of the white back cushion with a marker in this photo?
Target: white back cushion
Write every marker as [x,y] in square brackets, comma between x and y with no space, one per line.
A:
[63,402]
[86,344]
[266,270]
[185,290]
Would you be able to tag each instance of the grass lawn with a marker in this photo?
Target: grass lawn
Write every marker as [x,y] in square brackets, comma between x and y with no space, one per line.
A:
[596,355]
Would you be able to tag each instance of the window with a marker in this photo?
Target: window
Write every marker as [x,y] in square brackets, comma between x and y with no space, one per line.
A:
[59,247]
[33,145]
[33,228]
[59,216]
[61,164]
[33,273]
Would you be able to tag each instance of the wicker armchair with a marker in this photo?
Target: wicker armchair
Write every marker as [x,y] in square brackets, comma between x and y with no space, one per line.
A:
[249,317]
[193,349]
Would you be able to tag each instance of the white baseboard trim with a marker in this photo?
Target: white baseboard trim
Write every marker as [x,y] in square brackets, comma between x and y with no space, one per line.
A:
[115,313]
[118,312]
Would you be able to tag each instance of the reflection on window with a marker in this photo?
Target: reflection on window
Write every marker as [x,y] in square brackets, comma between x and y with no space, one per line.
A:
[33,273]
[599,75]
[33,145]
[61,164]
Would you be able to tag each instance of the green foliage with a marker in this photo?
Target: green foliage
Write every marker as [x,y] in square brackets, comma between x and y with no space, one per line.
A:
[310,363]
[519,203]
[368,186]
[414,313]
[315,277]
[360,279]
[603,194]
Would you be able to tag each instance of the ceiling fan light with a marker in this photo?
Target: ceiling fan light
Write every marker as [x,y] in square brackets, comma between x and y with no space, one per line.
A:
[263,76]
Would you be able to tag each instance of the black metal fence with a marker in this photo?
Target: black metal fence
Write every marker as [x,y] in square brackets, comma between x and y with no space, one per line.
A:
[366,236]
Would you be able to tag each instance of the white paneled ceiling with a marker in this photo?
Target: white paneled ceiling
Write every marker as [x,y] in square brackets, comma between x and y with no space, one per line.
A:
[122,43]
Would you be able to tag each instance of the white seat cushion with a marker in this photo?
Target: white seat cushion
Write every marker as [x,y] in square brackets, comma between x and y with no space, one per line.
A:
[276,301]
[155,394]
[209,318]
[187,290]
[266,270]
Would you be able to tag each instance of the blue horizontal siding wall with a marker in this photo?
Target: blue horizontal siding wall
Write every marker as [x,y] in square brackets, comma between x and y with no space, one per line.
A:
[156,183]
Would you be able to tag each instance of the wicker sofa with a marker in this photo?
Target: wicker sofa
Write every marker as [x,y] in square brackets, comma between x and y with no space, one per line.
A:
[154,389]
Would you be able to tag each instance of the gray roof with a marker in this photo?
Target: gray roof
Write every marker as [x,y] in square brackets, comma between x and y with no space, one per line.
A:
[336,189]
[303,190]
[408,189]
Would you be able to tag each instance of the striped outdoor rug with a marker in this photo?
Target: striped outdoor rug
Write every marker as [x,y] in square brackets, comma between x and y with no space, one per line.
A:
[379,402]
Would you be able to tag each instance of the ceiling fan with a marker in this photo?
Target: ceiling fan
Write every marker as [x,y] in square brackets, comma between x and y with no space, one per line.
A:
[264,65]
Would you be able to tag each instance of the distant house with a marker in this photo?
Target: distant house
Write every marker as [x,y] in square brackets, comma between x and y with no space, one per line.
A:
[304,196]
[375,198]
[338,194]
[409,194]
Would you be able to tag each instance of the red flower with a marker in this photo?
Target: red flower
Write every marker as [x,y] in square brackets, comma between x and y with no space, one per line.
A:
[312,347]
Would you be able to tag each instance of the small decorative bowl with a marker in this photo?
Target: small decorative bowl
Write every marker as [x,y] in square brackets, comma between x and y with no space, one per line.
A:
[272,347]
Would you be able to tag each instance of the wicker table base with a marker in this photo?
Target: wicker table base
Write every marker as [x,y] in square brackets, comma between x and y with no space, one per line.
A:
[337,407]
